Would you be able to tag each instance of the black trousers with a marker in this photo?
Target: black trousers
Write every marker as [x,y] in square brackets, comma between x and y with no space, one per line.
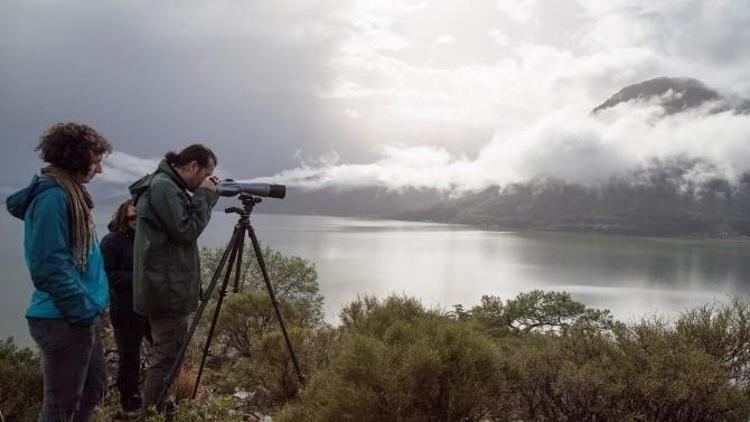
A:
[130,330]
[73,367]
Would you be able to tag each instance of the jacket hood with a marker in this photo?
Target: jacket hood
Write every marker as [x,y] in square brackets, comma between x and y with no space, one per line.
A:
[113,228]
[19,202]
[142,184]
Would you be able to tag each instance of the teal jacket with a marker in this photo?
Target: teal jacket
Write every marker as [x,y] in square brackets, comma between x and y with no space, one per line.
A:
[61,290]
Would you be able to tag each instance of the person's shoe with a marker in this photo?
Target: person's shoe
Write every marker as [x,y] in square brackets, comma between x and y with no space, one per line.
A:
[122,415]
[169,411]
[131,402]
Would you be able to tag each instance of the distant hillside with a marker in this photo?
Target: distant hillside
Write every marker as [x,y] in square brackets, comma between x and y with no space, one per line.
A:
[361,202]
[659,200]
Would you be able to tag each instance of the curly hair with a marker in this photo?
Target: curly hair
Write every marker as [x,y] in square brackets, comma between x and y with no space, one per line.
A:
[70,146]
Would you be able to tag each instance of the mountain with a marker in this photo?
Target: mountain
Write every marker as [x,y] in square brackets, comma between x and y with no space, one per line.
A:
[661,198]
[675,95]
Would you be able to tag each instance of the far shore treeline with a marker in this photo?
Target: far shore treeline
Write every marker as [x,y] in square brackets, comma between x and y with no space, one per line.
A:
[661,199]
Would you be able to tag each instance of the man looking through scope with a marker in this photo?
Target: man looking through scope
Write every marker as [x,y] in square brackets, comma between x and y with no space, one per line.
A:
[166,283]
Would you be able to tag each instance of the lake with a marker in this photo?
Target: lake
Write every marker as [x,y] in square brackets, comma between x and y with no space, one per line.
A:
[445,264]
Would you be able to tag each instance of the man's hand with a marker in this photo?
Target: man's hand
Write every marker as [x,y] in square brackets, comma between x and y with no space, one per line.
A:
[210,183]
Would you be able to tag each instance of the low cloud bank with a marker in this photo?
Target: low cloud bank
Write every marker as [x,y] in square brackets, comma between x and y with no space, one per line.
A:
[587,149]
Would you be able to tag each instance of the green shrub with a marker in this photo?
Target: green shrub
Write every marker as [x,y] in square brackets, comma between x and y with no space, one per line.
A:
[209,408]
[248,316]
[666,376]
[267,374]
[249,354]
[21,384]
[723,331]
[564,362]
[400,362]
[645,371]
[537,311]
[293,279]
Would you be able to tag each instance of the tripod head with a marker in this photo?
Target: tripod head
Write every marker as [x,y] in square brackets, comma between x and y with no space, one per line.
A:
[248,203]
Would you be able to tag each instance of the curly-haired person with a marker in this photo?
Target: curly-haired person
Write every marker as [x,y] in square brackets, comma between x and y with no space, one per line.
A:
[67,270]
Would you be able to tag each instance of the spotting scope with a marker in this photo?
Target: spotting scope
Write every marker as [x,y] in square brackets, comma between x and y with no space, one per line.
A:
[230,187]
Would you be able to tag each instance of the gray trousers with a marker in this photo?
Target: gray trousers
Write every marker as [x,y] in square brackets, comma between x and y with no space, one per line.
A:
[73,368]
[168,335]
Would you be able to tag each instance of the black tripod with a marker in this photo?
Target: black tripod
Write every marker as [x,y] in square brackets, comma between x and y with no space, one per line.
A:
[233,253]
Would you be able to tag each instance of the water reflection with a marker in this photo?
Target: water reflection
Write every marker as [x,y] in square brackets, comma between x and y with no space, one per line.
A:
[445,265]
[449,264]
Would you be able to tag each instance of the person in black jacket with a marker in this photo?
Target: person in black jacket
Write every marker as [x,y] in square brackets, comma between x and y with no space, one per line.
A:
[130,327]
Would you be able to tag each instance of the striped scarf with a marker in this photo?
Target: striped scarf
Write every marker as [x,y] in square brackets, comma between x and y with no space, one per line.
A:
[79,211]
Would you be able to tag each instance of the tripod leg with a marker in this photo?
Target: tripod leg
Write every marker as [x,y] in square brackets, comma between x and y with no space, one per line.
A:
[169,379]
[237,248]
[274,302]
[240,253]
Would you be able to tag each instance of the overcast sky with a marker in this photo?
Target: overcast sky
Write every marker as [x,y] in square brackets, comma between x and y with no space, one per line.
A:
[440,94]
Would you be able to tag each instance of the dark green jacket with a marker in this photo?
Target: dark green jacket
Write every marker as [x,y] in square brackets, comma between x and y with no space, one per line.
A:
[166,265]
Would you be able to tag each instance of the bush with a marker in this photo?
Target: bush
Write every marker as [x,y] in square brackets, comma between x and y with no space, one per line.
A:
[645,371]
[538,357]
[248,316]
[208,408]
[21,384]
[400,362]
[667,377]
[536,311]
[250,354]
[267,374]
[723,331]
[293,279]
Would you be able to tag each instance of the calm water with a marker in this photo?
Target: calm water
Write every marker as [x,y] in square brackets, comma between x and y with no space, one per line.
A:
[445,264]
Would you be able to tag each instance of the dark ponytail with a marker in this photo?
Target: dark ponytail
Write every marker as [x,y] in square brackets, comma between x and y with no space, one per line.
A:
[196,152]
[171,157]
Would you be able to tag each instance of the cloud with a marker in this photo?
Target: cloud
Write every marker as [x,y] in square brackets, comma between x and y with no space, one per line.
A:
[700,38]
[123,168]
[443,40]
[242,77]
[591,149]
[7,190]
[400,167]
[537,93]
[576,54]
[499,37]
[575,147]
[518,10]
[260,80]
